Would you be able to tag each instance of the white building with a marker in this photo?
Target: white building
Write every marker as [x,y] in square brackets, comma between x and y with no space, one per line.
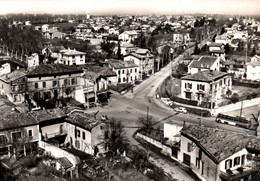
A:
[128,36]
[215,155]
[253,70]
[204,63]
[171,131]
[205,84]
[127,71]
[72,57]
[144,59]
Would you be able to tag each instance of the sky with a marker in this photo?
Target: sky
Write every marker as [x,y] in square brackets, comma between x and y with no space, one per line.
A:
[97,7]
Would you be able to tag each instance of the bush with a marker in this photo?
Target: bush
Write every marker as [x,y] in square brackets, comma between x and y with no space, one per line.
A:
[234,98]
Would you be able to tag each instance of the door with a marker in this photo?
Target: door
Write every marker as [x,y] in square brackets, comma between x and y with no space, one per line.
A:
[186,159]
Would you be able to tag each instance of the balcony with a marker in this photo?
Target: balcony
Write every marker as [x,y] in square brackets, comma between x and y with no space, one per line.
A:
[88,89]
[54,135]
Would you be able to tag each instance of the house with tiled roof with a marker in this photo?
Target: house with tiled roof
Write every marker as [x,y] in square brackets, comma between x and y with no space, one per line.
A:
[144,59]
[95,85]
[85,132]
[208,83]
[128,36]
[48,81]
[127,71]
[215,155]
[216,48]
[204,63]
[72,57]
[13,85]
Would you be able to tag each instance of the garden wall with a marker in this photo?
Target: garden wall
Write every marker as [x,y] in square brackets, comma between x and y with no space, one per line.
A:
[165,149]
[236,106]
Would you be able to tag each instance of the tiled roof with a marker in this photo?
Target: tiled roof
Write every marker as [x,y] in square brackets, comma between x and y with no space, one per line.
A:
[104,71]
[217,51]
[13,75]
[141,51]
[48,114]
[253,64]
[65,163]
[213,44]
[205,76]
[11,119]
[119,64]
[48,69]
[84,120]
[203,62]
[72,52]
[138,55]
[219,144]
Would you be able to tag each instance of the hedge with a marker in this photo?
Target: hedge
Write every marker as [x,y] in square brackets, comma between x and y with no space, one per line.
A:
[245,83]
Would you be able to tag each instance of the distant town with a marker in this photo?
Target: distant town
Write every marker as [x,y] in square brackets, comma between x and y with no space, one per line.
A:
[129,97]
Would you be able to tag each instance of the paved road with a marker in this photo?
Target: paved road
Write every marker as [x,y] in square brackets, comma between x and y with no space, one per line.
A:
[129,107]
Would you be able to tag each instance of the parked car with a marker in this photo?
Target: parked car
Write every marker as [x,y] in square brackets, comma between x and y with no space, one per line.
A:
[180,110]
[167,101]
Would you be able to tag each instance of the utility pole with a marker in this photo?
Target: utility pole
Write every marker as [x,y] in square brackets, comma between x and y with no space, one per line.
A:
[241,109]
[147,114]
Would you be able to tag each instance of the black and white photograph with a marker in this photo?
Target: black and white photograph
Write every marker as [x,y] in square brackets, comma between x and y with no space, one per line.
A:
[129,90]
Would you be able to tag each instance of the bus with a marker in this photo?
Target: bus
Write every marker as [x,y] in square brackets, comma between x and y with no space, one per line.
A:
[233,120]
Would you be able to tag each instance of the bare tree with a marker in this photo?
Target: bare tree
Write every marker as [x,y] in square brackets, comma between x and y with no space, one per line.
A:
[147,123]
[115,139]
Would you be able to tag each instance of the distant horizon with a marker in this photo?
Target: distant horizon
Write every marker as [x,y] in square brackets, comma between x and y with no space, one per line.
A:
[131,7]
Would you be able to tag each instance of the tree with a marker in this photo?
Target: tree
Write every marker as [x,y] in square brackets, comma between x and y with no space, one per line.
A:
[140,41]
[119,55]
[222,31]
[115,139]
[196,49]
[229,92]
[226,48]
[108,47]
[146,123]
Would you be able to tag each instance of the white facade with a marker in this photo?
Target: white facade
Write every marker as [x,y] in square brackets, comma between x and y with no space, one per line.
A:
[171,131]
[253,71]
[197,90]
[72,57]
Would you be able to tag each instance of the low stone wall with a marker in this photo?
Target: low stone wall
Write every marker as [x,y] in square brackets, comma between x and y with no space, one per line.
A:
[166,150]
[236,106]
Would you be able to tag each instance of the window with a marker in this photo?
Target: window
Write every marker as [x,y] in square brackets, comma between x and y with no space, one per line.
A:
[243,160]
[65,82]
[119,80]
[135,70]
[200,87]
[78,133]
[16,136]
[44,84]
[54,83]
[118,72]
[124,79]
[188,85]
[123,71]
[188,95]
[73,56]
[198,163]
[3,140]
[83,135]
[77,144]
[36,85]
[228,164]
[73,81]
[236,161]
[30,134]
[131,70]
